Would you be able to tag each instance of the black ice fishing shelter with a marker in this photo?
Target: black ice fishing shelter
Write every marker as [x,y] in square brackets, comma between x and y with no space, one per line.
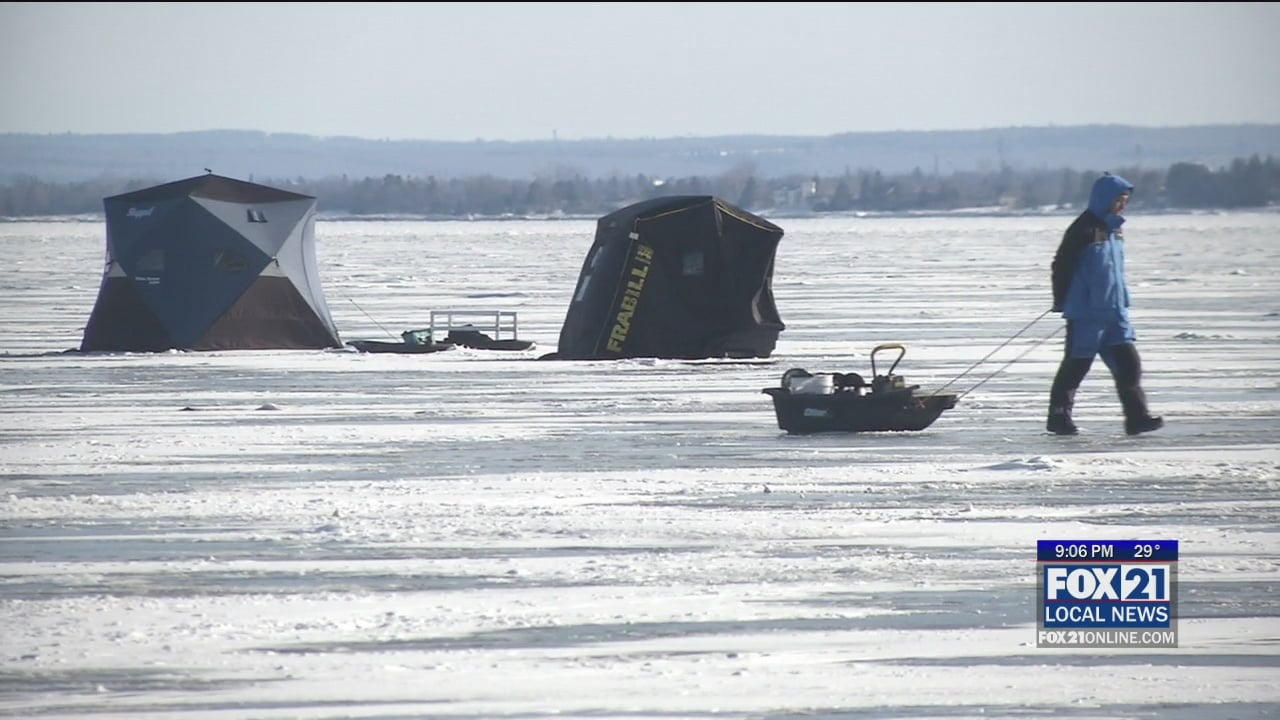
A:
[675,277]
[210,263]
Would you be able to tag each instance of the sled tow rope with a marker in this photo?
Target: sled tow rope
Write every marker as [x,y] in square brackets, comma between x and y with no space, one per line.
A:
[997,349]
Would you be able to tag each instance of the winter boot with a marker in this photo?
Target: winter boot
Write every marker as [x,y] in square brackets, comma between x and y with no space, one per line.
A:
[1126,367]
[1062,396]
[1061,402]
[1137,426]
[1059,422]
[1137,419]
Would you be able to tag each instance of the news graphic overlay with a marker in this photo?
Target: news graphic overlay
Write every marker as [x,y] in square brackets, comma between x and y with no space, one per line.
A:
[1107,593]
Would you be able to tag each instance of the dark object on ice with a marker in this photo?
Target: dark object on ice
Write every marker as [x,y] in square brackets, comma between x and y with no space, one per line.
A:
[481,341]
[844,402]
[420,341]
[1061,424]
[210,263]
[1137,426]
[415,342]
[383,346]
[684,277]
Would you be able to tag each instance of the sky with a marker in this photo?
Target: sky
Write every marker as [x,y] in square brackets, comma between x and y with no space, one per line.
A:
[506,71]
[327,534]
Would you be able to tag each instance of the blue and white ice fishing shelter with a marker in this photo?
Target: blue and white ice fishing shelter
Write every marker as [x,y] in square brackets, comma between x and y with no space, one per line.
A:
[210,263]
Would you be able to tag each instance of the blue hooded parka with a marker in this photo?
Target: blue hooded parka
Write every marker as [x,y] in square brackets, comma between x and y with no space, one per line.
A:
[1088,272]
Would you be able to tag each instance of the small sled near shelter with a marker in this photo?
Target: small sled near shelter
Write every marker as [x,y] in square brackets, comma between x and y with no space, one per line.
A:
[463,327]
[808,402]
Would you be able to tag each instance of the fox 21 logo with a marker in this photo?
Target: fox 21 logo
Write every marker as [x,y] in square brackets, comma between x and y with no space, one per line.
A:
[1107,594]
[1122,583]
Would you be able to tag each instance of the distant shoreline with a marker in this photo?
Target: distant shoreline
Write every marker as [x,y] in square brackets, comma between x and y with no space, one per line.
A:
[856,215]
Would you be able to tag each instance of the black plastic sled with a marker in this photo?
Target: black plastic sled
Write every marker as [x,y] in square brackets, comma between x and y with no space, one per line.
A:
[843,402]
[419,341]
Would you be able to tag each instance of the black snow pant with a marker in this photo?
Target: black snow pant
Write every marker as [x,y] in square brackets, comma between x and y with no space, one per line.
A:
[1126,370]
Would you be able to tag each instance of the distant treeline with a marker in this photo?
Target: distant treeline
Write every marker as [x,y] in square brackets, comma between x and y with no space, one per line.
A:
[1244,183]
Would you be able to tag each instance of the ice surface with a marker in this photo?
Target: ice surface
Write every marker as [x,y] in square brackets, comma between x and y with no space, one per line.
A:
[472,534]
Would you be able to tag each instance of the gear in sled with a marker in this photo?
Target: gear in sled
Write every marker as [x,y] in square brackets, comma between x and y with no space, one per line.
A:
[808,402]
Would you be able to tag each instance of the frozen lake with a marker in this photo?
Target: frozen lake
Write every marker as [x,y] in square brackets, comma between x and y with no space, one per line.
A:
[472,534]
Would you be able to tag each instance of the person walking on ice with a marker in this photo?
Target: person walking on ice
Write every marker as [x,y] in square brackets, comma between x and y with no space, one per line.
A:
[1090,291]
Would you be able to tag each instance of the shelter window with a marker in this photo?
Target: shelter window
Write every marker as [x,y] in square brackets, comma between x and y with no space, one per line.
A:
[693,264]
[256,216]
[151,261]
[230,261]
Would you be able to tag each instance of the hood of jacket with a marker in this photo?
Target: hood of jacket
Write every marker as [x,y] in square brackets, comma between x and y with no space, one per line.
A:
[1105,191]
